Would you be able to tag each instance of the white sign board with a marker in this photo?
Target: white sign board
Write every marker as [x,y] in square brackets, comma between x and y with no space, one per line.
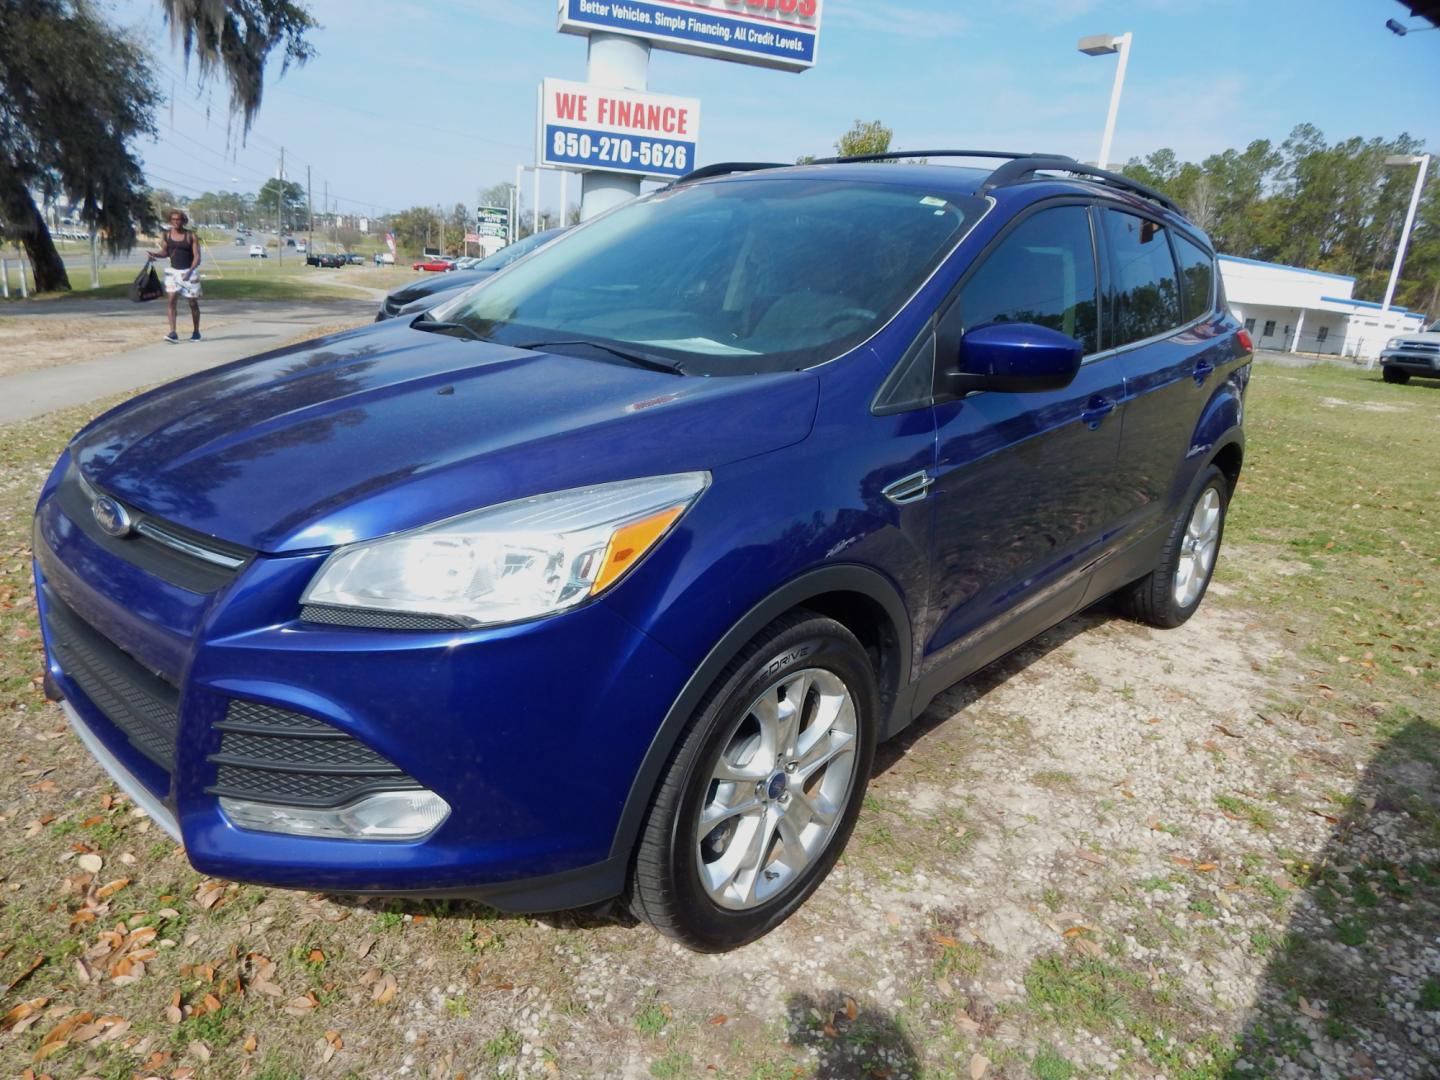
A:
[771,33]
[620,131]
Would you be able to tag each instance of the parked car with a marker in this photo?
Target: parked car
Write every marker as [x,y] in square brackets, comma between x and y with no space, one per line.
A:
[354,258]
[434,263]
[1412,354]
[418,296]
[325,258]
[257,251]
[607,578]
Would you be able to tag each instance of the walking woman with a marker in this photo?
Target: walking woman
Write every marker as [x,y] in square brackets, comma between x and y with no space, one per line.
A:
[182,277]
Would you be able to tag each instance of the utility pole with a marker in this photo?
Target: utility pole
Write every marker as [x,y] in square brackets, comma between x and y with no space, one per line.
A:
[325,209]
[310,212]
[280,213]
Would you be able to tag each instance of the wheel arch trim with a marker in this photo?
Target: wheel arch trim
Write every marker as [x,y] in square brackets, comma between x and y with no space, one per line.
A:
[851,578]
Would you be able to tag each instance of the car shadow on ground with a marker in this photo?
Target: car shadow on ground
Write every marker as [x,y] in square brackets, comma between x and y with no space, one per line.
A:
[950,701]
[1352,988]
[961,695]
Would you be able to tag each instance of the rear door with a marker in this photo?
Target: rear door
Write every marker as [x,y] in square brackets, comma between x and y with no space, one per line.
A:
[1170,343]
[1024,481]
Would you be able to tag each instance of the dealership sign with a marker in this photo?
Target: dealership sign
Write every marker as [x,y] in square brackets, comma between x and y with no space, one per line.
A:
[492,221]
[772,33]
[621,131]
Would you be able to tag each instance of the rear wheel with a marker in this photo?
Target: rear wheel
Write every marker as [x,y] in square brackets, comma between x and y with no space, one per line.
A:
[1395,375]
[1172,592]
[764,789]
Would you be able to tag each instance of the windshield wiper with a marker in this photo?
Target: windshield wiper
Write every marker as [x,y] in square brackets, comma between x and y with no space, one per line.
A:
[654,363]
[431,325]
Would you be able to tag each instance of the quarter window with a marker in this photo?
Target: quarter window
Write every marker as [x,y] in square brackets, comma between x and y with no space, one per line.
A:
[1197,273]
[1043,272]
[1145,298]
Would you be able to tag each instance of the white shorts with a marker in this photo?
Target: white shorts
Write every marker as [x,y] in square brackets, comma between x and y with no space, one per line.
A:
[180,281]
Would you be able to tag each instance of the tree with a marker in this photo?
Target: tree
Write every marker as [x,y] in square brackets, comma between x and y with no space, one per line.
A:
[864,137]
[234,38]
[288,201]
[74,94]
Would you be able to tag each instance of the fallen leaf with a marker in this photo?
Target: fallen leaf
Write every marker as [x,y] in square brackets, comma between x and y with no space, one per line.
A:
[29,970]
[384,991]
[1076,931]
[1310,1010]
[198,1049]
[21,1011]
[251,1044]
[90,862]
[110,888]
[719,1019]
[966,1024]
[979,1064]
[851,1009]
[945,941]
[1088,856]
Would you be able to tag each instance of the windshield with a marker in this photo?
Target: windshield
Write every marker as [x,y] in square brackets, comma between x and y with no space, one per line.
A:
[730,277]
[1434,327]
[510,252]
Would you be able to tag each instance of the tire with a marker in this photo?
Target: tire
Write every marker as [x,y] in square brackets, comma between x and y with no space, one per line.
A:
[1162,597]
[735,883]
[1395,375]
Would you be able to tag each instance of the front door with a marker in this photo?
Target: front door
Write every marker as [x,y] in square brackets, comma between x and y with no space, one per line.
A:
[1024,484]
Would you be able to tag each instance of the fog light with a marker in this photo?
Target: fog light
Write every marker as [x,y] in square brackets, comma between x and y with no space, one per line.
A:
[387,815]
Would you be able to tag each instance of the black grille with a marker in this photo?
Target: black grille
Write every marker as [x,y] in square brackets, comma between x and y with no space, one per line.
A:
[178,555]
[136,700]
[377,620]
[274,755]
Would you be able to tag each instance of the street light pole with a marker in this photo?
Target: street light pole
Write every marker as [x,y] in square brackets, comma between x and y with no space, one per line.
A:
[1104,45]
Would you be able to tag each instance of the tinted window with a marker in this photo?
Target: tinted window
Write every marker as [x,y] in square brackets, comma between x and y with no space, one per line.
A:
[1197,272]
[1043,272]
[1144,297]
[734,276]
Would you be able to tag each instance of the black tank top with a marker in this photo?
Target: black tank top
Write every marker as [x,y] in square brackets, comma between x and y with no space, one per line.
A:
[181,253]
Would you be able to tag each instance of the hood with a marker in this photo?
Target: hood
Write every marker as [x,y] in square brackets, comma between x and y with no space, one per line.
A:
[1427,337]
[388,428]
[451,279]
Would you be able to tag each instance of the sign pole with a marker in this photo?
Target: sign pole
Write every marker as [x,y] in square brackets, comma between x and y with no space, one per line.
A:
[613,60]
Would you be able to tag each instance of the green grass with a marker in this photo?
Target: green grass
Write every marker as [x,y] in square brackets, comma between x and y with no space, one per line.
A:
[259,280]
[1251,812]
[1050,1065]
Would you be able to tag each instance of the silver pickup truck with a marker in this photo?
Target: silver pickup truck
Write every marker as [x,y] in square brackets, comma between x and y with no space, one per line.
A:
[1412,354]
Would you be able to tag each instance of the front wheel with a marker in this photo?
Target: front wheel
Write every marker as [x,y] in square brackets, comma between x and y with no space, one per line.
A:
[764,789]
[1171,593]
[1394,375]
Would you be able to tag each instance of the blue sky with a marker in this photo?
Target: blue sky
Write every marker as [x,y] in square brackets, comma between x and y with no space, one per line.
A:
[419,102]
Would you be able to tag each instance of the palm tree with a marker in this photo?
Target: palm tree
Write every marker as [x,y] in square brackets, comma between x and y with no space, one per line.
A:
[233,39]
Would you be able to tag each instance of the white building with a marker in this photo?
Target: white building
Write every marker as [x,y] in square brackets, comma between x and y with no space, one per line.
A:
[1289,309]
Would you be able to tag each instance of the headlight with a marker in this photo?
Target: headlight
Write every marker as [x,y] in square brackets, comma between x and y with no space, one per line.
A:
[510,562]
[1394,343]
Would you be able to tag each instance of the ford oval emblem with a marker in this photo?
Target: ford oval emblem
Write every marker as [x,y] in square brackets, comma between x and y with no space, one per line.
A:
[110,516]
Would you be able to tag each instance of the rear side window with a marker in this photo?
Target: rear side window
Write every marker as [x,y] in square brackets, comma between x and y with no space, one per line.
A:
[1197,273]
[1144,293]
[1042,272]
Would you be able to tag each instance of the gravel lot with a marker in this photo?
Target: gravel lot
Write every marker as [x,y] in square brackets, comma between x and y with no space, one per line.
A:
[1208,852]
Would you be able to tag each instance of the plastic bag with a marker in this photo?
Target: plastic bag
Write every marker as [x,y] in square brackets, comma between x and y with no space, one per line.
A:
[146,285]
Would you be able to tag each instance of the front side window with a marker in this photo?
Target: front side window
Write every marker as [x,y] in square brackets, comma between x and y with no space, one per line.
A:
[1197,273]
[1144,293]
[760,274]
[1042,272]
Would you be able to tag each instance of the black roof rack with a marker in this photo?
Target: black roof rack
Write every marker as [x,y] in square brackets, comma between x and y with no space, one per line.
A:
[724,168]
[1018,168]
[898,155]
[1022,169]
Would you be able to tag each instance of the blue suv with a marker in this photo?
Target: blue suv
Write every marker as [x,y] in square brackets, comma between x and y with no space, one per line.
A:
[606,577]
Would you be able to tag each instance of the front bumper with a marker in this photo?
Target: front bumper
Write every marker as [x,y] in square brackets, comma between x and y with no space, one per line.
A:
[532,733]
[1417,363]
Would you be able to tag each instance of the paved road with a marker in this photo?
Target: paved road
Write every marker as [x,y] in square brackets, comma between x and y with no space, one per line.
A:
[253,328]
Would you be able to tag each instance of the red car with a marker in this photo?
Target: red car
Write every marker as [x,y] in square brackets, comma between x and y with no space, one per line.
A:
[438,264]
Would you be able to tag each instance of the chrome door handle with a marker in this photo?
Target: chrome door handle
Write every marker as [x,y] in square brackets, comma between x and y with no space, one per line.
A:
[908,489]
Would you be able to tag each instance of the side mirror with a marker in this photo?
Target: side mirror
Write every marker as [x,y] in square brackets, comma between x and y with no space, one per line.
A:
[1014,357]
